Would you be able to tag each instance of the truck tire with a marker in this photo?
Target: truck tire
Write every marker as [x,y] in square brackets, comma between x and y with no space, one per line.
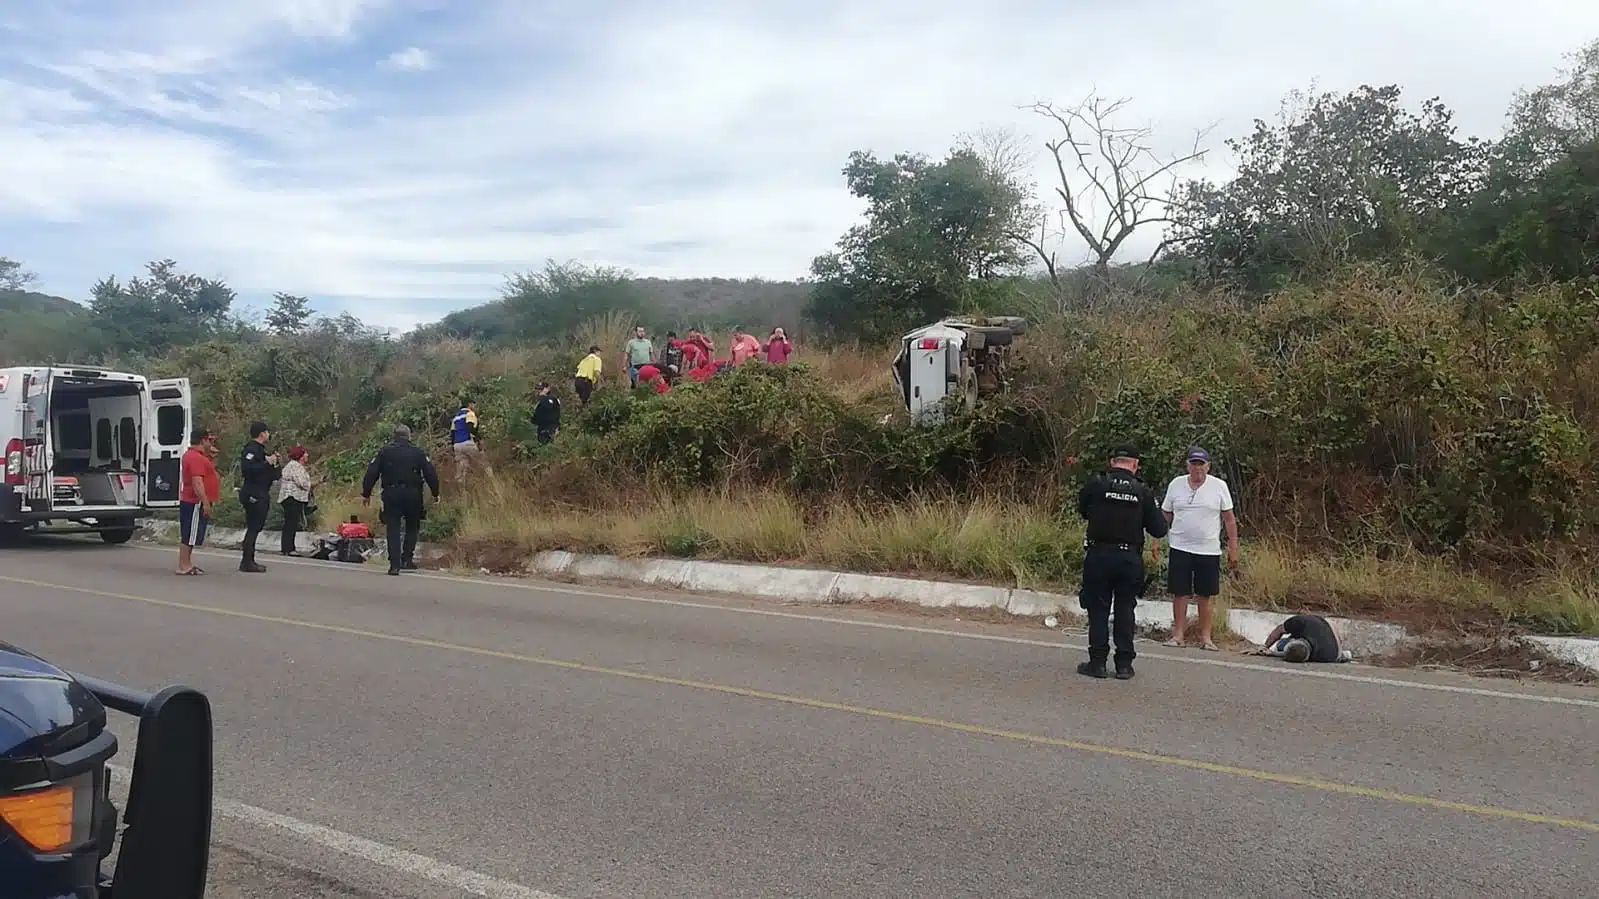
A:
[117,536]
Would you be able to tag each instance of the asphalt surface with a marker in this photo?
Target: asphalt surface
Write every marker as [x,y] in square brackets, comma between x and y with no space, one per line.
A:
[425,736]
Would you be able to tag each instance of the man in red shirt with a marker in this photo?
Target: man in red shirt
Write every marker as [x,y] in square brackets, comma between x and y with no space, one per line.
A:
[200,490]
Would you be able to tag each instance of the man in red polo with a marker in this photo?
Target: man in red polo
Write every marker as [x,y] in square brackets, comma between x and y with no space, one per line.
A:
[200,491]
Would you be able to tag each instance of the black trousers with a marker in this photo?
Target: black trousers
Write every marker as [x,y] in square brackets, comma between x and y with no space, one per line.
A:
[546,435]
[402,518]
[256,505]
[1113,579]
[584,388]
[293,522]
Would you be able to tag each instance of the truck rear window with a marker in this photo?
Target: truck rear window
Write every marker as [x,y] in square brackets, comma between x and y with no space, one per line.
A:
[170,426]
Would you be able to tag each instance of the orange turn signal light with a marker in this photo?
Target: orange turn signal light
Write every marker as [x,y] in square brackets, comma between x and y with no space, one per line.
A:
[42,818]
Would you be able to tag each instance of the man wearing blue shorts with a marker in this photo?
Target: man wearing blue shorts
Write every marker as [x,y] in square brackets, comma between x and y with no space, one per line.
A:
[200,491]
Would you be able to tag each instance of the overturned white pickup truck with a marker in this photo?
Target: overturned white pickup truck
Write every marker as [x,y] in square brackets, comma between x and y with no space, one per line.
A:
[88,448]
[957,359]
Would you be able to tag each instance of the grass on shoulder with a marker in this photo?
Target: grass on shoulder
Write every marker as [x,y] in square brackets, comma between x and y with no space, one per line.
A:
[980,541]
[987,541]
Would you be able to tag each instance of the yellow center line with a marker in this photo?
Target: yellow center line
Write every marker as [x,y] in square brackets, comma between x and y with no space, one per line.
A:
[1308,783]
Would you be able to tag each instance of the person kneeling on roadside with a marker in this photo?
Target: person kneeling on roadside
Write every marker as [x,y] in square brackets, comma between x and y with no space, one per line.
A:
[1304,638]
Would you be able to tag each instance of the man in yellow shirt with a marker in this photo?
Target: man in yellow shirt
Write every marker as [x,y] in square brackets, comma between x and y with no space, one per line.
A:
[588,375]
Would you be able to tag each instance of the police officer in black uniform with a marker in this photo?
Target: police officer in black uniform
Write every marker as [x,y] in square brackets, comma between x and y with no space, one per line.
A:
[403,468]
[257,470]
[1119,508]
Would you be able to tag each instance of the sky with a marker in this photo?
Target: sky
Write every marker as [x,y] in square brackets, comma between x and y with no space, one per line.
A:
[398,158]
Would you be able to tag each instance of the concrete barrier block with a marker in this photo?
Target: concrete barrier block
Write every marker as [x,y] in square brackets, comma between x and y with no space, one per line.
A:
[1254,626]
[552,562]
[667,572]
[1582,651]
[1364,638]
[857,587]
[1154,614]
[609,568]
[931,594]
[1038,604]
[789,584]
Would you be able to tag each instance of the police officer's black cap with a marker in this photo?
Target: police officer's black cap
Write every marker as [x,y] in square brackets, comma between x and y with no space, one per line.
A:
[1126,451]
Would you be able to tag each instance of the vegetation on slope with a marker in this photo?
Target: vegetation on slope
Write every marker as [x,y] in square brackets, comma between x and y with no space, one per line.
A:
[1386,334]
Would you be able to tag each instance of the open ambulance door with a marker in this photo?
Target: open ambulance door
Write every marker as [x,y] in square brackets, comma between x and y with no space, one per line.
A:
[166,437]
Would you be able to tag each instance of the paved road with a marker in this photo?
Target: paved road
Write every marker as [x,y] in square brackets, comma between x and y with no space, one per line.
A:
[427,736]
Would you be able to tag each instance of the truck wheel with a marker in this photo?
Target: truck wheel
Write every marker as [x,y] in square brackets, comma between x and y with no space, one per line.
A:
[118,536]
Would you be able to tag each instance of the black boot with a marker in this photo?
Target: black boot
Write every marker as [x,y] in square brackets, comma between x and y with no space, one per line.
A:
[1124,670]
[1092,668]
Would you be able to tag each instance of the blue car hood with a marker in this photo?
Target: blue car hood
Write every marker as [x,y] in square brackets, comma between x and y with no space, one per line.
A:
[40,703]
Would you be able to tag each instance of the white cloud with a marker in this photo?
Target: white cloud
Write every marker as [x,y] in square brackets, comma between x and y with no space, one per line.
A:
[252,139]
[411,59]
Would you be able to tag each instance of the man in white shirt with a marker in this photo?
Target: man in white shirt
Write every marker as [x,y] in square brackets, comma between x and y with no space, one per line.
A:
[1198,507]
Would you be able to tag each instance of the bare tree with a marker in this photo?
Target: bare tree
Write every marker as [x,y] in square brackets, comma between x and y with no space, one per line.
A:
[1112,183]
[1003,152]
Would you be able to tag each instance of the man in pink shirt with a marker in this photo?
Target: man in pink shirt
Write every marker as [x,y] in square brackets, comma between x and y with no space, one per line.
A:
[744,347]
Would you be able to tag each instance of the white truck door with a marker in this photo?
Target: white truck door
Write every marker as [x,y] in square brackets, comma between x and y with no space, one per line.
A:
[928,378]
[168,411]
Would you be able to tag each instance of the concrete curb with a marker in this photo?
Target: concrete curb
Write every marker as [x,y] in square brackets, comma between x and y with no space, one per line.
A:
[811,585]
[1363,638]
[226,538]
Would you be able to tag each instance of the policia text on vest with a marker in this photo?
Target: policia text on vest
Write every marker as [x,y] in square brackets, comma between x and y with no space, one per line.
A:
[1119,508]
[403,468]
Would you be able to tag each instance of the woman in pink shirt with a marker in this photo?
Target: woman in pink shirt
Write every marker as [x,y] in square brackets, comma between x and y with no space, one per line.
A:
[778,347]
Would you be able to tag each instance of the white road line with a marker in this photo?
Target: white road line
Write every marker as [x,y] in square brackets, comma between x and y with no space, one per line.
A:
[401,860]
[1283,670]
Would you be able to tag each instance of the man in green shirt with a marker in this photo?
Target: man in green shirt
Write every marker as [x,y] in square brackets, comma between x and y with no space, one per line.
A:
[638,353]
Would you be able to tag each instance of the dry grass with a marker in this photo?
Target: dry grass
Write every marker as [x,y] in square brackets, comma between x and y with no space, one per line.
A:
[1426,593]
[987,541]
[981,541]
[859,375]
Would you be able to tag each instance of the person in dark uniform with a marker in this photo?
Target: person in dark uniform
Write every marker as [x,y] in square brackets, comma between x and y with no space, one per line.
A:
[1119,508]
[258,469]
[403,468]
[547,414]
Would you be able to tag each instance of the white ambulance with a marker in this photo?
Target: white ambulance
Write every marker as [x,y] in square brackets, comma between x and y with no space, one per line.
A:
[89,450]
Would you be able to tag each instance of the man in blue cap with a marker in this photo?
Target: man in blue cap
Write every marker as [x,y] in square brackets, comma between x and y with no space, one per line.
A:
[1198,506]
[1119,508]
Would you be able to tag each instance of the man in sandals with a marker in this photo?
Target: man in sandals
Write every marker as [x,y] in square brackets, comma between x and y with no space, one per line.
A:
[1198,506]
[200,491]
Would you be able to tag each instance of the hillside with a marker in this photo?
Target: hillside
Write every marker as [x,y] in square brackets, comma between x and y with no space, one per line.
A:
[38,327]
[33,302]
[663,303]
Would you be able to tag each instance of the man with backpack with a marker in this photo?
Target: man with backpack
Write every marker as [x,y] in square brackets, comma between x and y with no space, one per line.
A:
[467,443]
[672,357]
